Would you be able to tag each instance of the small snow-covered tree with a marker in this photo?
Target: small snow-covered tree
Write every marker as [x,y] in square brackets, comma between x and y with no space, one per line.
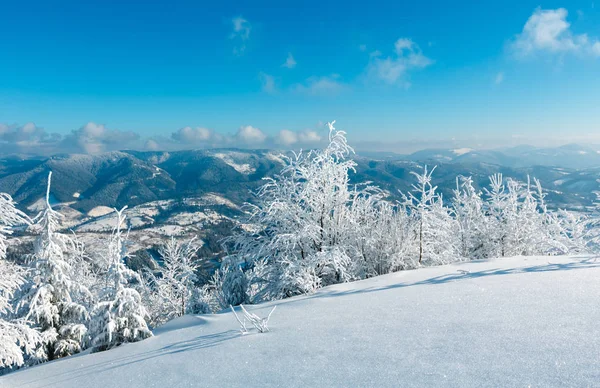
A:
[502,206]
[229,284]
[120,316]
[16,337]
[520,222]
[592,227]
[469,211]
[435,228]
[172,290]
[50,302]
[381,235]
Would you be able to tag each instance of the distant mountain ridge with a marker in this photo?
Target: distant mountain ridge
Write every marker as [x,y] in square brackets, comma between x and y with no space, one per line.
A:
[119,178]
[571,156]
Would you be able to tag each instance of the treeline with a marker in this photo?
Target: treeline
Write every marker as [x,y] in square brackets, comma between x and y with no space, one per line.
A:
[307,228]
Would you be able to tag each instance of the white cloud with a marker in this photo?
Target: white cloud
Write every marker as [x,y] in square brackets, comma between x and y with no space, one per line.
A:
[499,78]
[241,34]
[250,135]
[151,145]
[193,135]
[26,138]
[320,85]
[95,138]
[287,138]
[290,62]
[267,83]
[394,69]
[309,136]
[547,30]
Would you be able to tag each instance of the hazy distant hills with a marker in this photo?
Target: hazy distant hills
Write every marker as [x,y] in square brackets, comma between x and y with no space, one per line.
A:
[114,179]
[571,156]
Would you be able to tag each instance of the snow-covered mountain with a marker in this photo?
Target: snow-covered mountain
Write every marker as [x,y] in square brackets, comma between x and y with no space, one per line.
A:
[116,179]
[200,193]
[523,321]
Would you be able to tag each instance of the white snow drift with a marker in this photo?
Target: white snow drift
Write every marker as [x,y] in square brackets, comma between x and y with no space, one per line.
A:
[523,321]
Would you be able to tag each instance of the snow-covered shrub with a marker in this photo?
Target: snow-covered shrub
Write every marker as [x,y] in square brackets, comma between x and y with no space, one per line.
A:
[228,286]
[591,232]
[260,324]
[521,224]
[201,301]
[380,235]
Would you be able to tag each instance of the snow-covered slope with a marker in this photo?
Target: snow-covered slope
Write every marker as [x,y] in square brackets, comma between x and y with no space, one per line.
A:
[507,322]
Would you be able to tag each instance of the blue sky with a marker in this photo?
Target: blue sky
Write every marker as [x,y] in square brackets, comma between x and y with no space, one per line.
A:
[398,76]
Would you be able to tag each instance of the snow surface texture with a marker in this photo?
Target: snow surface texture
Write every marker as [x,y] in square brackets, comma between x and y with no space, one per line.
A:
[523,321]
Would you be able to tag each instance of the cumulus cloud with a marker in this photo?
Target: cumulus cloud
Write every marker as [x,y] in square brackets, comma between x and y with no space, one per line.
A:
[95,138]
[308,137]
[287,137]
[25,135]
[290,62]
[320,85]
[193,135]
[250,135]
[240,34]
[151,145]
[548,31]
[394,69]
[27,138]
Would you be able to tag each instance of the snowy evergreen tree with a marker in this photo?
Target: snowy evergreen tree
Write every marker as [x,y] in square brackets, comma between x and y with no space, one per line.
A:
[17,339]
[120,316]
[50,303]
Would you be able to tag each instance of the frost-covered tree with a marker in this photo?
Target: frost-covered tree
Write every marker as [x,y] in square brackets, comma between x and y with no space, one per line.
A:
[50,302]
[521,224]
[300,225]
[591,228]
[120,316]
[381,237]
[16,337]
[172,290]
[435,228]
[473,228]
[502,206]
